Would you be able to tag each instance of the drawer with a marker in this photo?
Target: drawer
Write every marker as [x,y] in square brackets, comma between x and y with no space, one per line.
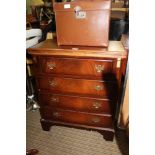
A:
[77,67]
[76,103]
[77,86]
[77,117]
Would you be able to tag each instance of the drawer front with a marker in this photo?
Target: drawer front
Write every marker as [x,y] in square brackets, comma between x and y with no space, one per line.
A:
[77,117]
[77,86]
[77,67]
[76,103]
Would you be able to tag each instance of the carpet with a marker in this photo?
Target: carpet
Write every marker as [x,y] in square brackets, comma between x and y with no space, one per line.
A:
[71,141]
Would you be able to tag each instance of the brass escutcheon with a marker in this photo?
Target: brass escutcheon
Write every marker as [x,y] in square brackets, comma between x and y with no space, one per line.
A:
[95,120]
[99,68]
[54,99]
[52,83]
[97,105]
[98,87]
[56,114]
[51,66]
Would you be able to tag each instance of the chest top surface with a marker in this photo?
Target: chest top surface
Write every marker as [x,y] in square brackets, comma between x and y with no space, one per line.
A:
[50,48]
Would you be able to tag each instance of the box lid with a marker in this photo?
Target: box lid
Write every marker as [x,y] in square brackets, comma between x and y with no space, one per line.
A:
[82,5]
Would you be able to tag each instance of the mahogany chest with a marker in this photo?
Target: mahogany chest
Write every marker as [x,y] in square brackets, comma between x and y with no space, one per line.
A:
[78,86]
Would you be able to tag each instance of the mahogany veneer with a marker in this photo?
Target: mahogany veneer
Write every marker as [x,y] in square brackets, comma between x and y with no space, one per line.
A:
[68,102]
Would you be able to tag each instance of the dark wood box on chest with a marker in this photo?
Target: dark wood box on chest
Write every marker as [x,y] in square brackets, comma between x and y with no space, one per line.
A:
[78,86]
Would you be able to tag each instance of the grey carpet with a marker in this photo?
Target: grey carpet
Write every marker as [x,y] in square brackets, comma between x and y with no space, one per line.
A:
[71,141]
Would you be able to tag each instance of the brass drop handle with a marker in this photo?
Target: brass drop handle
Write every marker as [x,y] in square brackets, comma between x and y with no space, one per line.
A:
[52,83]
[56,114]
[54,99]
[51,66]
[99,68]
[98,87]
[95,120]
[97,105]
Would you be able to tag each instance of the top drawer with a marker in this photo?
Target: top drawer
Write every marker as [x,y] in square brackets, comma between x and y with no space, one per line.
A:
[77,67]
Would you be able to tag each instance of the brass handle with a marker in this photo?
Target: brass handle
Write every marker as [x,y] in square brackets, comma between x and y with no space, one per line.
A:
[51,66]
[56,114]
[98,87]
[95,120]
[52,83]
[99,68]
[97,105]
[54,99]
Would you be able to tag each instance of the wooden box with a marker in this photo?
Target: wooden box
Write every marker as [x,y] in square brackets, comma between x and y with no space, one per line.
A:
[84,23]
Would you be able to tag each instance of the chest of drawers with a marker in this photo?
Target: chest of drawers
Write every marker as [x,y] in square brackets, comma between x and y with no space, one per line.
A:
[78,86]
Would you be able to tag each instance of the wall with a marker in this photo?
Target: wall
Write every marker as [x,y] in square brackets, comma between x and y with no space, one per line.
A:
[32,2]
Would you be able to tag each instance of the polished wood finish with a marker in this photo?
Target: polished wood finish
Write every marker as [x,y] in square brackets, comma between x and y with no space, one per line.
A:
[91,119]
[50,48]
[85,104]
[77,66]
[78,86]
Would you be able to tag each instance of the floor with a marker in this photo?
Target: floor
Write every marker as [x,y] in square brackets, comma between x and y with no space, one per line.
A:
[71,141]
